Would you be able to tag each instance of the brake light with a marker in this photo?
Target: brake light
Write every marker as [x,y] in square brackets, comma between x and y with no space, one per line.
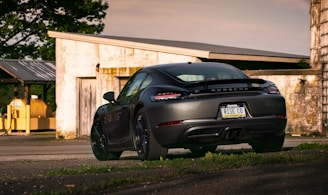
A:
[162,96]
[272,89]
[281,116]
[169,123]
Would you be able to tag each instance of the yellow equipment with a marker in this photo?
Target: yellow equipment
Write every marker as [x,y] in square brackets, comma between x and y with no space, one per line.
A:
[22,117]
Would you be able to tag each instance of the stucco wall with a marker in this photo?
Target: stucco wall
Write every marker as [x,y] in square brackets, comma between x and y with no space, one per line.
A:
[73,60]
[302,91]
[118,62]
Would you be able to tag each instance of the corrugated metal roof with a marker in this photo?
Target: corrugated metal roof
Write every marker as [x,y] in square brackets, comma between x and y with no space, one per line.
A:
[27,71]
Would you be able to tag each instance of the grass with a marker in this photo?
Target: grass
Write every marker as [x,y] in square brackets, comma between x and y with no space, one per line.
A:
[308,146]
[92,169]
[221,161]
[180,167]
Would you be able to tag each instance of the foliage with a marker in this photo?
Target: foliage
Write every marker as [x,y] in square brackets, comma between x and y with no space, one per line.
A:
[24,24]
[7,93]
[303,64]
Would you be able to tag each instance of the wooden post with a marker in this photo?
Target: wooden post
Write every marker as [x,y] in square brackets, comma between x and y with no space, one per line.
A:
[28,119]
[28,109]
[8,125]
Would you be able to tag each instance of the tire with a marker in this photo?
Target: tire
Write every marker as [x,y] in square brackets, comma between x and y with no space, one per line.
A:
[98,143]
[202,150]
[268,143]
[146,145]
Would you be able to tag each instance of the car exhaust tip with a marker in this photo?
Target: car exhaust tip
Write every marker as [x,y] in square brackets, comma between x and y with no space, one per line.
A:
[232,134]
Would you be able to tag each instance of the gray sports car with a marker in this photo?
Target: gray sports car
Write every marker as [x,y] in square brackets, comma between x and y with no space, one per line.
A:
[197,106]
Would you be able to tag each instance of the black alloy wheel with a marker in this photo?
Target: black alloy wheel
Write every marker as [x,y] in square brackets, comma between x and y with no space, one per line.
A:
[147,146]
[98,144]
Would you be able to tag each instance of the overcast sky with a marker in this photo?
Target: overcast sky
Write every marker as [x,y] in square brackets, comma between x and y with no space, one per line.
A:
[272,25]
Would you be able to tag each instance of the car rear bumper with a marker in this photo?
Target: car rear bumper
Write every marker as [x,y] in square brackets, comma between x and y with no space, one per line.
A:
[200,120]
[191,132]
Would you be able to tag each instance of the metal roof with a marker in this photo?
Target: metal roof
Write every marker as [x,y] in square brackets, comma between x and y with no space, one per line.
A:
[201,50]
[207,47]
[27,71]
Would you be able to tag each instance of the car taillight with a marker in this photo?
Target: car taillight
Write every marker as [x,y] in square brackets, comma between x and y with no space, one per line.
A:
[272,89]
[162,96]
[281,116]
[169,123]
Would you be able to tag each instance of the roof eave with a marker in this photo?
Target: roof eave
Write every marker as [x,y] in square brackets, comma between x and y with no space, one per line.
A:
[129,44]
[15,79]
[9,81]
[170,49]
[38,82]
[220,56]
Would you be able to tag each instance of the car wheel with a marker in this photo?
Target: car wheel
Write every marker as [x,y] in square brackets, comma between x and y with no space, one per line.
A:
[147,146]
[202,150]
[98,144]
[268,143]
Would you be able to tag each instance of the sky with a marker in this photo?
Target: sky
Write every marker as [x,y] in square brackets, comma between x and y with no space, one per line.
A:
[270,25]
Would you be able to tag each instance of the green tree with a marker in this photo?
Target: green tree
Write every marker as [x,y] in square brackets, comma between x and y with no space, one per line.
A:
[24,24]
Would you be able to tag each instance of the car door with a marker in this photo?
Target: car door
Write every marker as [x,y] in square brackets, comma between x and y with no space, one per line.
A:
[118,118]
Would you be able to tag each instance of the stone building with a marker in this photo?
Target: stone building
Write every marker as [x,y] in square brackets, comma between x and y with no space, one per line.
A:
[319,56]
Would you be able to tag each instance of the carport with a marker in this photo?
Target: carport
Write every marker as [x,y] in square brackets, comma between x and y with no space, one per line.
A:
[20,116]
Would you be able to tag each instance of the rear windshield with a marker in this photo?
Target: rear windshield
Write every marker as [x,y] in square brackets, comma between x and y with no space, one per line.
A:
[201,73]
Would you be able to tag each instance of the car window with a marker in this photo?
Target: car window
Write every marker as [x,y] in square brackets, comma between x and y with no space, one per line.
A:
[191,77]
[192,74]
[133,85]
[146,82]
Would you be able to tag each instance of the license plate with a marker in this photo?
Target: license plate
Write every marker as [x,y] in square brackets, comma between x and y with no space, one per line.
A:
[233,111]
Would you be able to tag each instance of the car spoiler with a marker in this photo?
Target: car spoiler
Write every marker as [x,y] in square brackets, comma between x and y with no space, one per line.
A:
[226,81]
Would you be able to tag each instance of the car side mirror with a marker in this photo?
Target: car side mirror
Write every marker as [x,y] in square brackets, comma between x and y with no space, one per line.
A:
[109,96]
